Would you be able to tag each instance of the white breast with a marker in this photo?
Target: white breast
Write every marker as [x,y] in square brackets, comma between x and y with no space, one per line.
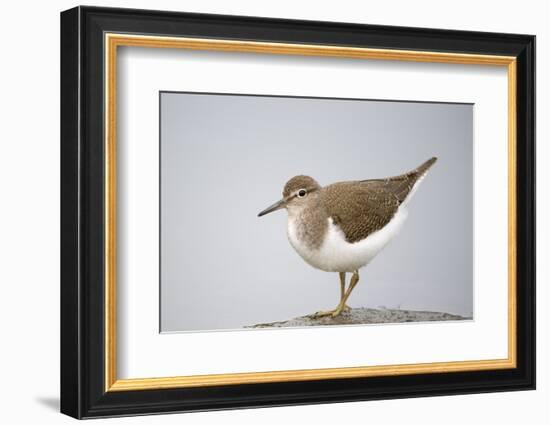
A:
[338,255]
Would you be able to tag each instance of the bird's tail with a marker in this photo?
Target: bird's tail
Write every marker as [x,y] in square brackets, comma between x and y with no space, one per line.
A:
[404,185]
[414,178]
[423,169]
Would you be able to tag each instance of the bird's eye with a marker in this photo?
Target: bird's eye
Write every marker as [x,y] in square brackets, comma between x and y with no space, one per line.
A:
[302,193]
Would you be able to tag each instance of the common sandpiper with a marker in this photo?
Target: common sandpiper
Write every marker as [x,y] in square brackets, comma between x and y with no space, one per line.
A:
[343,226]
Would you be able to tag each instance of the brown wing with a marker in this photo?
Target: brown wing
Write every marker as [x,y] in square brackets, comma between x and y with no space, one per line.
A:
[361,208]
[401,185]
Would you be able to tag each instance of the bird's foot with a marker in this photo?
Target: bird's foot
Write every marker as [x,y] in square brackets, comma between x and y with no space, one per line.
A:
[323,313]
[332,313]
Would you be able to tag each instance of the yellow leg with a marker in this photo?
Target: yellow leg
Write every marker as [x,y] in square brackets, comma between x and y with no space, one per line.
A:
[343,289]
[344,295]
[352,284]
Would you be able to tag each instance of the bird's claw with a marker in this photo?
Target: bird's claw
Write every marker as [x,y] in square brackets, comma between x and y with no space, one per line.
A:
[327,313]
[332,313]
[319,314]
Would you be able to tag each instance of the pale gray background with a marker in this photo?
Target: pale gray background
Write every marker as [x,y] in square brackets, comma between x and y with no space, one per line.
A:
[224,158]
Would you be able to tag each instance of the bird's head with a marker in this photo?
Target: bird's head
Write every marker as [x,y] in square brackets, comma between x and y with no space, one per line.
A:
[298,191]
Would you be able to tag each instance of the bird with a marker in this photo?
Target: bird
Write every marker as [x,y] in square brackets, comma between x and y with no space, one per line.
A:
[341,227]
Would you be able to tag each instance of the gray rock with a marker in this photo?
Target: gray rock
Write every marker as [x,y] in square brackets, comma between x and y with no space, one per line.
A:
[362,316]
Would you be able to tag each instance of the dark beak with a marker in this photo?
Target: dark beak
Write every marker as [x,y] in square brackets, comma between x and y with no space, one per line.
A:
[276,206]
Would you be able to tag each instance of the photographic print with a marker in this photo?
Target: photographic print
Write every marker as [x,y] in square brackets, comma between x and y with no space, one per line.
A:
[348,210]
[281,212]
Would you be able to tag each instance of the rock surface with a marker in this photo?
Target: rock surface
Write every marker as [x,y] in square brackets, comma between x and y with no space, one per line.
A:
[361,316]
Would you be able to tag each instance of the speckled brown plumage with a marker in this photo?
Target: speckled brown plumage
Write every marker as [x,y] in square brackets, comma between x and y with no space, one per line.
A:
[300,182]
[359,208]
[362,207]
[311,223]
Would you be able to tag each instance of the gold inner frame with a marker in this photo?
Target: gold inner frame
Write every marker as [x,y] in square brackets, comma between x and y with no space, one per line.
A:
[113,41]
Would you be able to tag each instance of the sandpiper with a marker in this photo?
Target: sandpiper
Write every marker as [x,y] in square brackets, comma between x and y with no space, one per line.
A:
[341,227]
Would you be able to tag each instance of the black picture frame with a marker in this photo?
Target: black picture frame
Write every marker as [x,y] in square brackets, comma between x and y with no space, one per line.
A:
[83,392]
